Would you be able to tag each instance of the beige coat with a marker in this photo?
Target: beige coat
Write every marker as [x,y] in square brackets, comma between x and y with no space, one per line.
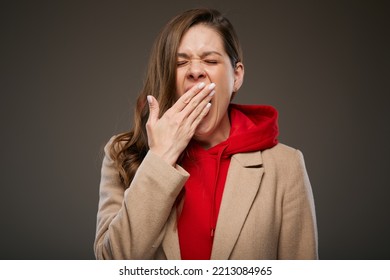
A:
[267,210]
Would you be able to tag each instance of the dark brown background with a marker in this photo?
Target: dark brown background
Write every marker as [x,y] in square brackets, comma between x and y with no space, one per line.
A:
[70,71]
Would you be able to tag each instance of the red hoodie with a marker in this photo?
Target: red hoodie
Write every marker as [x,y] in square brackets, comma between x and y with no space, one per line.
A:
[253,128]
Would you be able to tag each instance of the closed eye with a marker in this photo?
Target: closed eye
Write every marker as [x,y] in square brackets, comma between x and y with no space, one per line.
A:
[181,62]
[209,61]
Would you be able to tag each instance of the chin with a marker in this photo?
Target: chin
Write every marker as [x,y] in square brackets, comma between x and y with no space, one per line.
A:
[204,130]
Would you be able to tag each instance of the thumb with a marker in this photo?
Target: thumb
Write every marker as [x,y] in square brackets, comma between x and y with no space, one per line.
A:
[154,109]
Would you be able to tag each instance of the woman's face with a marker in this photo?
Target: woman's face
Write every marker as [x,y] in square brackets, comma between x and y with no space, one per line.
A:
[201,57]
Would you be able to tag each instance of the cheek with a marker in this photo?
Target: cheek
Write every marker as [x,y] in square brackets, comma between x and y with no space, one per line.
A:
[224,101]
[225,91]
[224,78]
[179,85]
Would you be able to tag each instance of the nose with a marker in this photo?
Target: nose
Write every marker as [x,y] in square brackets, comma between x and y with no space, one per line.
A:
[196,71]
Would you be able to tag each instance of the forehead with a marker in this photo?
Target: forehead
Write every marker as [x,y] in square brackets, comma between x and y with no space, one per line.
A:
[201,38]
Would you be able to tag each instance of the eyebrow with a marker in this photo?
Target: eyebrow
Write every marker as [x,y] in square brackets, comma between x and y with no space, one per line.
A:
[204,54]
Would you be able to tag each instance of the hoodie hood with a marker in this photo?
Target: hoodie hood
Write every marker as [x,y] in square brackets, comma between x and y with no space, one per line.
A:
[253,128]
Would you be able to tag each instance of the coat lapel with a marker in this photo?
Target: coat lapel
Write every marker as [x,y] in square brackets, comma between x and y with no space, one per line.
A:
[242,184]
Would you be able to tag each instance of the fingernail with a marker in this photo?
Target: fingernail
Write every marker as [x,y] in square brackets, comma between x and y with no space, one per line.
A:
[212,93]
[201,85]
[211,86]
[208,105]
[149,98]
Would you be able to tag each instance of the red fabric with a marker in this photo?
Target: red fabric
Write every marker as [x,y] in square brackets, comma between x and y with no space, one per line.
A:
[253,128]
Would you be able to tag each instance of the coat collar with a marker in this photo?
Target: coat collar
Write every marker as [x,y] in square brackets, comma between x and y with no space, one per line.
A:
[242,184]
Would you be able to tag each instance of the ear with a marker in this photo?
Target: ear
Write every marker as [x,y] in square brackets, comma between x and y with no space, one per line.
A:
[238,78]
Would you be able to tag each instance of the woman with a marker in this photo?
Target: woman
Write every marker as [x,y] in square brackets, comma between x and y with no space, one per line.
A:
[198,177]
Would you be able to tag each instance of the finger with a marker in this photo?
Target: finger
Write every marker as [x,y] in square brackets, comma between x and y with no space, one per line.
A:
[200,100]
[200,108]
[200,116]
[154,109]
[183,101]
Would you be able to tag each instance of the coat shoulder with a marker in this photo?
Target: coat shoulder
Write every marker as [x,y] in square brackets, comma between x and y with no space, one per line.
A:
[283,158]
[281,152]
[113,143]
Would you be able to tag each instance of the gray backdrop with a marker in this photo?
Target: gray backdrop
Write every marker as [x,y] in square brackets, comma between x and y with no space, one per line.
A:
[70,71]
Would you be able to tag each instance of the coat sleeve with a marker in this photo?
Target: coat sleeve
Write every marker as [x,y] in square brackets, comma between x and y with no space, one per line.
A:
[298,237]
[131,222]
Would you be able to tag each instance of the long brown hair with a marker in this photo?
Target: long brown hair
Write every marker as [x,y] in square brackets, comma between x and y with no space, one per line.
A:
[129,149]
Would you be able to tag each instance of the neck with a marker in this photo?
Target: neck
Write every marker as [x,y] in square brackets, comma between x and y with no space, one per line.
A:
[220,134]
